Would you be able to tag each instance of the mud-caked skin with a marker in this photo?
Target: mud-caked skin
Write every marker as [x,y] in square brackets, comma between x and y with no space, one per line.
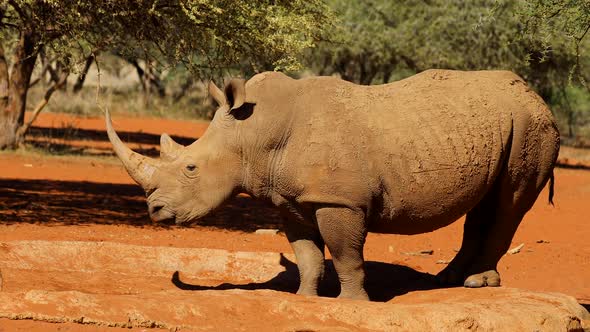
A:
[341,160]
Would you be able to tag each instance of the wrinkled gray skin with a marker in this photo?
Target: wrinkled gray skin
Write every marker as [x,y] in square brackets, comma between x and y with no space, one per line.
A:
[341,160]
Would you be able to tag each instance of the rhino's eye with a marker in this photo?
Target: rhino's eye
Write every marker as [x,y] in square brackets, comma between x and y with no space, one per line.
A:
[191,167]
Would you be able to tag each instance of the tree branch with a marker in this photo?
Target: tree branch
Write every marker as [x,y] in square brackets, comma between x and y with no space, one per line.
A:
[23,16]
[411,63]
[9,25]
[44,70]
[388,22]
[578,64]
[579,39]
[82,75]
[42,103]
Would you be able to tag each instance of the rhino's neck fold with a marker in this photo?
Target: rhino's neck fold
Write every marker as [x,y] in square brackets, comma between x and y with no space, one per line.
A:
[262,164]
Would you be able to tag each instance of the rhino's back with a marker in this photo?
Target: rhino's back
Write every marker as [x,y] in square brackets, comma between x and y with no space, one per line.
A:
[424,148]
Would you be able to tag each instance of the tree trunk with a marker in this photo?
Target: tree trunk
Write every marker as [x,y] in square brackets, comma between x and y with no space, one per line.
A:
[13,113]
[145,84]
[82,77]
[3,79]
[60,69]
[387,71]
[147,96]
[184,88]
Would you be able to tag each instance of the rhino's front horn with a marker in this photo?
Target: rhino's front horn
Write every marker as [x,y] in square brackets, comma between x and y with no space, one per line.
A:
[140,168]
[169,149]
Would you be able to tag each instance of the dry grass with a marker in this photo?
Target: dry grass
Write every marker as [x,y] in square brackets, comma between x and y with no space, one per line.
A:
[131,103]
[580,154]
[122,93]
[29,150]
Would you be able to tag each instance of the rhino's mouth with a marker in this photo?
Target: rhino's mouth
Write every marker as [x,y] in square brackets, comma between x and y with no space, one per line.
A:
[184,219]
[189,217]
[180,221]
[161,214]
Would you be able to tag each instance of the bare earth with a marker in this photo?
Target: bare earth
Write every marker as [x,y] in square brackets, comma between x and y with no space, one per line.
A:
[92,199]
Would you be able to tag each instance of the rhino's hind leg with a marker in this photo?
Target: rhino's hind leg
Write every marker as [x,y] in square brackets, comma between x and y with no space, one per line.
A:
[527,170]
[483,270]
[308,246]
[489,229]
[477,222]
[344,232]
[510,209]
[488,232]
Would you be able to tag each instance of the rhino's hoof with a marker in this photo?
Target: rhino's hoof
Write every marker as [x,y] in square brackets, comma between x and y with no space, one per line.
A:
[489,278]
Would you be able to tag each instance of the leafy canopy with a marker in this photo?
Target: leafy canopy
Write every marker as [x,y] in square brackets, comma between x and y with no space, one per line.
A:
[532,37]
[202,34]
[562,27]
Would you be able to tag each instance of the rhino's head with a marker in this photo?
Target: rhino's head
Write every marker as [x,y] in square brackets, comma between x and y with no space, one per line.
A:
[186,183]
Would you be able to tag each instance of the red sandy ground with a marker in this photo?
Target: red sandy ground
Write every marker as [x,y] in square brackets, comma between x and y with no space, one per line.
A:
[93,199]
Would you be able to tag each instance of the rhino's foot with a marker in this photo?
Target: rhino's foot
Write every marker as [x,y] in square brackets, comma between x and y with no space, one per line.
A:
[453,276]
[450,276]
[360,295]
[488,278]
[307,291]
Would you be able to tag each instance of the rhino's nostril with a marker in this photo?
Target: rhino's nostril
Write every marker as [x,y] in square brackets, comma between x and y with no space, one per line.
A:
[155,208]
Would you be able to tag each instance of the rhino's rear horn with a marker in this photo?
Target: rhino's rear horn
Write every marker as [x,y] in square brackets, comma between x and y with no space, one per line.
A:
[169,149]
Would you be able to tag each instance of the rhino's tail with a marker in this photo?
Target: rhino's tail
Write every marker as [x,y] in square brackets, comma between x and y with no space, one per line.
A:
[551,188]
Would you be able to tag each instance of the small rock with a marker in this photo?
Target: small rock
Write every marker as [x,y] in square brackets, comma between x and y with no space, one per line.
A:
[542,241]
[28,165]
[443,261]
[419,253]
[390,249]
[265,231]
[516,249]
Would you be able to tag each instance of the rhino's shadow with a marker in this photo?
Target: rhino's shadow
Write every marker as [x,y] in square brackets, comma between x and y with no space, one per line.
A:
[384,281]
[56,202]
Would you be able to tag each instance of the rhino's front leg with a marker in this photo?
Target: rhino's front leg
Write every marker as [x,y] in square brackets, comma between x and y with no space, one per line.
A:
[344,232]
[309,251]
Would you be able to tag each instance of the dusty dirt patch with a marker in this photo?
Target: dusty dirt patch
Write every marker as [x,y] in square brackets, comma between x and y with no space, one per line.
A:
[151,287]
[88,199]
[555,257]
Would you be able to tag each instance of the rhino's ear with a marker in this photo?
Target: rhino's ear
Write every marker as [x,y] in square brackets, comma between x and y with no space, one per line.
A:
[217,94]
[235,92]
[168,148]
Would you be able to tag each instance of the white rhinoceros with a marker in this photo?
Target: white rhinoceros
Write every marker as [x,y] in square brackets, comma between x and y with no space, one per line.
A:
[342,160]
